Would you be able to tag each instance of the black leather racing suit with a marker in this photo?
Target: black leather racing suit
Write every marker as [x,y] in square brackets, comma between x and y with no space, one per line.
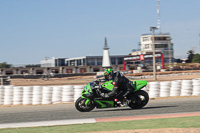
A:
[121,83]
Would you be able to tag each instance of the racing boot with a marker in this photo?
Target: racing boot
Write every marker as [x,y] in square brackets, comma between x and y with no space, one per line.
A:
[125,102]
[118,102]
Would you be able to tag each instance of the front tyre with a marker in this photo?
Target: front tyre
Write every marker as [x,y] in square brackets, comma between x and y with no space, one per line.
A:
[80,105]
[139,99]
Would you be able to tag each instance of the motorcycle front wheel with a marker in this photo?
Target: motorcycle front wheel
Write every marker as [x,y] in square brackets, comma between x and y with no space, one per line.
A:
[139,99]
[80,105]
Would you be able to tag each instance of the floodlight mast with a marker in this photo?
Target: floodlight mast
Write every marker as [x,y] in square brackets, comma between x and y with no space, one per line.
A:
[158,13]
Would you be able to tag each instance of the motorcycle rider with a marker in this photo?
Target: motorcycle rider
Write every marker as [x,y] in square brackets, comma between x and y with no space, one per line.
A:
[120,82]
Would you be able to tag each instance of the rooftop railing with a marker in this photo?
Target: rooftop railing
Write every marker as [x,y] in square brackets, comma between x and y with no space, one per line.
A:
[155,34]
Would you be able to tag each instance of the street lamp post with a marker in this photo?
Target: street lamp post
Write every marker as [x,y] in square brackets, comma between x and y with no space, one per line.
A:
[154,58]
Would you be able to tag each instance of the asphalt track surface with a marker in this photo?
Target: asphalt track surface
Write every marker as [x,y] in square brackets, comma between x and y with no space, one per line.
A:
[18,114]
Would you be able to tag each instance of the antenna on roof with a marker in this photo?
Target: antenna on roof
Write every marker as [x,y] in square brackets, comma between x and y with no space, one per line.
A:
[158,13]
[106,45]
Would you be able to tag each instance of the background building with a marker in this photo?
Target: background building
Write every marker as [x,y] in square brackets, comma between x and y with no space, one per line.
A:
[162,43]
[53,62]
[89,64]
[81,64]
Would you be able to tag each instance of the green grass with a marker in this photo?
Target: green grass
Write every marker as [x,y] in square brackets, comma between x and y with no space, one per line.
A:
[183,122]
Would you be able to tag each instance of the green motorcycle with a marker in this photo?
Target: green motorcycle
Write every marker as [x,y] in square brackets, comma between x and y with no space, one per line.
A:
[90,98]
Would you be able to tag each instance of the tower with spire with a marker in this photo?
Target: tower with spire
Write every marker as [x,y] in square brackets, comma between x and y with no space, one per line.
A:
[106,56]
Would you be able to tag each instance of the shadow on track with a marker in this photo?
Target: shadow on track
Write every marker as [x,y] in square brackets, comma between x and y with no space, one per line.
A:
[125,109]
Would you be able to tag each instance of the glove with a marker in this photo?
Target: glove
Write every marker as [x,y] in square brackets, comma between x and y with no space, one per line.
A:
[97,82]
[98,91]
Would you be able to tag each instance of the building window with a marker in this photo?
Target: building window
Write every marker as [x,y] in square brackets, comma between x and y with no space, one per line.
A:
[84,62]
[66,63]
[161,45]
[79,62]
[146,46]
[99,61]
[171,46]
[72,62]
[166,54]
[148,61]
[60,62]
[145,39]
[91,62]
[158,60]
[120,61]
[160,38]
[56,62]
[113,61]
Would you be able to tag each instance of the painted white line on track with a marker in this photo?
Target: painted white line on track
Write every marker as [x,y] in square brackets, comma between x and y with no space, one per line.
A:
[95,120]
[47,123]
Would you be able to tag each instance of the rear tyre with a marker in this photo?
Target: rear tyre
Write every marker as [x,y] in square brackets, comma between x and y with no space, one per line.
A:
[138,99]
[80,105]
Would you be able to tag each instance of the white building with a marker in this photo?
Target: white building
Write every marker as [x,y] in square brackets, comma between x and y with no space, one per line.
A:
[106,56]
[162,44]
[53,62]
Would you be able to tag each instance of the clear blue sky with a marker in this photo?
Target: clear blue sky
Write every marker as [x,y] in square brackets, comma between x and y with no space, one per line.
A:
[31,30]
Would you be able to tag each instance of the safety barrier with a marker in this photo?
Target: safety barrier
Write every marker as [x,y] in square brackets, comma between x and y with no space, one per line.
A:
[154,89]
[186,88]
[77,91]
[36,95]
[164,75]
[196,86]
[17,95]
[165,89]
[174,88]
[46,95]
[27,95]
[67,94]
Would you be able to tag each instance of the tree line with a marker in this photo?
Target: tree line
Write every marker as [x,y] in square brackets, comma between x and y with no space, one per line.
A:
[192,57]
[6,65]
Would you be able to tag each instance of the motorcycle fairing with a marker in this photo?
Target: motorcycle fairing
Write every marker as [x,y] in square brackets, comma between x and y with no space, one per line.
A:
[139,84]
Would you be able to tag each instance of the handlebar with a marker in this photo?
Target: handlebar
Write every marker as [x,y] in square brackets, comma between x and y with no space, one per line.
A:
[98,83]
[101,80]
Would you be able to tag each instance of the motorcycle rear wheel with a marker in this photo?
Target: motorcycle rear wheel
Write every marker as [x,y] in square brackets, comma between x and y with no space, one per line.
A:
[139,99]
[80,105]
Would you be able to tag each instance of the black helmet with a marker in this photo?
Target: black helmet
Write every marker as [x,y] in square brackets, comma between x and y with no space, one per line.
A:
[108,73]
